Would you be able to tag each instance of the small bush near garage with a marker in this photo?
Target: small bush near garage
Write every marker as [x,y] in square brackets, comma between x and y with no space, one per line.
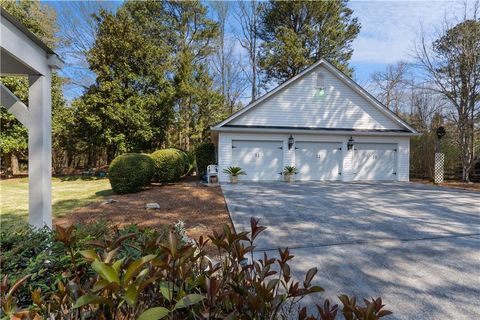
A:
[146,274]
[204,156]
[130,172]
[170,165]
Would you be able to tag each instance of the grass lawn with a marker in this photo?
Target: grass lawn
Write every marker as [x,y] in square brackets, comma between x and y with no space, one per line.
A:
[68,194]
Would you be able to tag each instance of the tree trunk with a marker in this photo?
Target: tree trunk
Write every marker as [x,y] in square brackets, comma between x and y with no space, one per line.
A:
[14,163]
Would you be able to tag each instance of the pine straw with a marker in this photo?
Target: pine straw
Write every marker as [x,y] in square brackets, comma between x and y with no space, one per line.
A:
[202,208]
[473,186]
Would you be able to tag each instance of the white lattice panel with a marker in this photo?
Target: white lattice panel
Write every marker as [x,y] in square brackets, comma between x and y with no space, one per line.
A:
[439,167]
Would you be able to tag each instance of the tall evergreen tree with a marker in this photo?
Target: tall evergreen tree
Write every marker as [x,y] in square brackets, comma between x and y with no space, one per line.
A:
[196,103]
[126,109]
[295,34]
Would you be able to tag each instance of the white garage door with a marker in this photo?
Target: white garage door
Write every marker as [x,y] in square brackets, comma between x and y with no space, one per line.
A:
[318,160]
[261,160]
[375,161]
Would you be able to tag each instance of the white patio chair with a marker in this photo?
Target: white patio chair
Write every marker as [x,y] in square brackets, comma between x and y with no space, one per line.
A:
[212,171]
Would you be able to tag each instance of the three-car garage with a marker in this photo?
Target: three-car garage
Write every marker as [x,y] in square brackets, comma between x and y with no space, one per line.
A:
[264,160]
[322,123]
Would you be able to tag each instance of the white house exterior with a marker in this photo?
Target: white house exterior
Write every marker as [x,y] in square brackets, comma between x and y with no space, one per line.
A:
[320,110]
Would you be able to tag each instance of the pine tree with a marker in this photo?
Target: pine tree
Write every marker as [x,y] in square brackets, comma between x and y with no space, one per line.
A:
[295,34]
[197,104]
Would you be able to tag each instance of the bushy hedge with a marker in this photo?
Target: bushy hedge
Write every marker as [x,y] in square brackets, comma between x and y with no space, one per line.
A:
[204,156]
[24,253]
[130,172]
[169,164]
[146,274]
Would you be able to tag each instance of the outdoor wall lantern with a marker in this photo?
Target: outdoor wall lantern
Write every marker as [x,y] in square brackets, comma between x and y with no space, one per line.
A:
[291,141]
[441,132]
[350,143]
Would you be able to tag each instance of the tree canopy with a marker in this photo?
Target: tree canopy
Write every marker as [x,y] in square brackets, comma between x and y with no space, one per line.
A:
[295,34]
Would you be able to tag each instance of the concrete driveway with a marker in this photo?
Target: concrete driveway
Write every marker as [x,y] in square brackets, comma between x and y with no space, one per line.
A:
[417,246]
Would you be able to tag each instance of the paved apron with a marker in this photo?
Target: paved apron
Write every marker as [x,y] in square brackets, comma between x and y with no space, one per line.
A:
[417,246]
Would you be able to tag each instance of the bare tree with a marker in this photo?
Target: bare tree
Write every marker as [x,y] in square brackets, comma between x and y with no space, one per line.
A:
[78,31]
[390,85]
[424,105]
[452,63]
[247,16]
[226,62]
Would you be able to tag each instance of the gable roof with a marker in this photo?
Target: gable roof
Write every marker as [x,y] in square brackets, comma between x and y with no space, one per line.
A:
[340,75]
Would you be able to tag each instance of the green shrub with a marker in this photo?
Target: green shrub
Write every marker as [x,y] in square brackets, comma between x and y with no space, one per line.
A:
[24,252]
[174,279]
[130,172]
[190,158]
[169,165]
[188,161]
[204,156]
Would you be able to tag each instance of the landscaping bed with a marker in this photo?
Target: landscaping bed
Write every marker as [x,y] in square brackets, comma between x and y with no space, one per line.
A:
[201,208]
[473,186]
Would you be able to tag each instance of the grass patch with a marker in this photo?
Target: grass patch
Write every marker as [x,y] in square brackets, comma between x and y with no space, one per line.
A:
[68,194]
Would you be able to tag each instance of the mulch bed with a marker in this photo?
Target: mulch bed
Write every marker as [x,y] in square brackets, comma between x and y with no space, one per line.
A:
[474,186]
[201,208]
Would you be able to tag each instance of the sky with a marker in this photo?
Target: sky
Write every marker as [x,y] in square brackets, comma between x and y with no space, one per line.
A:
[390,29]
[388,32]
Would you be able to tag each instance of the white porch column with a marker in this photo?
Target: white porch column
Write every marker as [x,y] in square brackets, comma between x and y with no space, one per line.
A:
[40,151]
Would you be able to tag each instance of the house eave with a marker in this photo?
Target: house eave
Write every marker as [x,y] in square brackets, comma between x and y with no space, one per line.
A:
[311,130]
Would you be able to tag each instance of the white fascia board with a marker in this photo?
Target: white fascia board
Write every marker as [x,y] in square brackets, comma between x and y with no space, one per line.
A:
[55,62]
[27,52]
[303,131]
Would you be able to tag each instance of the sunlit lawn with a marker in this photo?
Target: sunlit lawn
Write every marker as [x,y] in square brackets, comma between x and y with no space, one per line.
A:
[68,193]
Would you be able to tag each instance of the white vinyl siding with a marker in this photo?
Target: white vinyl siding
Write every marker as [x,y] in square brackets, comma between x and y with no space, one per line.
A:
[299,105]
[402,156]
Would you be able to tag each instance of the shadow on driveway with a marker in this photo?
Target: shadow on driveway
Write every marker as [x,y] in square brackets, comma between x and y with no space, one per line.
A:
[417,246]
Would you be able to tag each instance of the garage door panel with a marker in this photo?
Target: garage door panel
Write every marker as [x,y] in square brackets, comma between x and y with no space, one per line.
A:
[375,162]
[261,160]
[318,160]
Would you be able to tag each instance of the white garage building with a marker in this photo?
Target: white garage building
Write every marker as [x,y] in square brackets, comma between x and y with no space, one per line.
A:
[321,122]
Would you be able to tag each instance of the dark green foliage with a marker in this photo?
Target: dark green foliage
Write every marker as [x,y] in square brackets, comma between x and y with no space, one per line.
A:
[170,278]
[188,161]
[205,154]
[295,34]
[24,252]
[130,172]
[170,165]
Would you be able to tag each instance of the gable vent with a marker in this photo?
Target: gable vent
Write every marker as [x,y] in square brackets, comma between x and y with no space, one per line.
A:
[320,84]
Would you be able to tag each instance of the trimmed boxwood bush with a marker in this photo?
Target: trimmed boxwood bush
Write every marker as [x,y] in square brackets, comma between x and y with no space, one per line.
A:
[130,172]
[169,165]
[188,161]
[204,156]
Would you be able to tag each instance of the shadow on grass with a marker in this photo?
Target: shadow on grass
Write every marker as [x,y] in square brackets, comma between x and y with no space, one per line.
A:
[104,193]
[67,206]
[79,178]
